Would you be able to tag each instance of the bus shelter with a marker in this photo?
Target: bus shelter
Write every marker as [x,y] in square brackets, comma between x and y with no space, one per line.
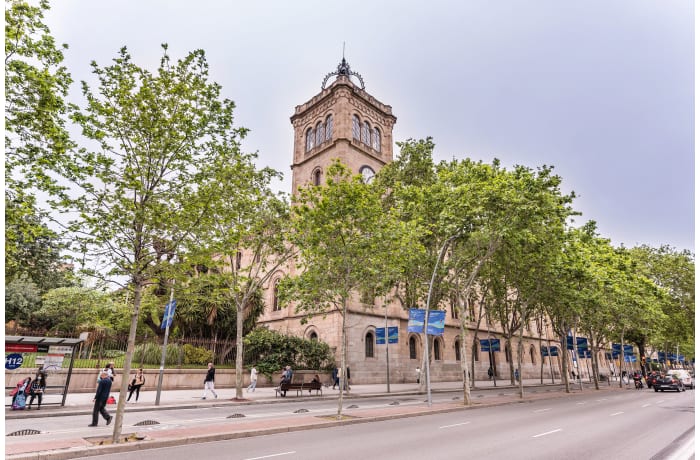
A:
[30,356]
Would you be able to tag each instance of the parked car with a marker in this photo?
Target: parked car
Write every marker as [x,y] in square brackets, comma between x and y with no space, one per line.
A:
[683,376]
[669,382]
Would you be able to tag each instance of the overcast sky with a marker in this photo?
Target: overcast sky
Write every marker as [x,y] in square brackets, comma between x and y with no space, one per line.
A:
[601,90]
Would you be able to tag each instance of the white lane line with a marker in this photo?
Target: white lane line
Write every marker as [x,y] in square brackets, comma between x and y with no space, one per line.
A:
[456,424]
[580,403]
[545,434]
[660,401]
[272,455]
[616,413]
[646,405]
[542,410]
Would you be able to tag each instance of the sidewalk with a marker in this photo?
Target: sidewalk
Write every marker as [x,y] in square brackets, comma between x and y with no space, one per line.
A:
[80,445]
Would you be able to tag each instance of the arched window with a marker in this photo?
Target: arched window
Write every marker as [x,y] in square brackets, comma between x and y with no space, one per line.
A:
[356,127]
[275,296]
[532,355]
[412,348]
[369,345]
[376,140]
[365,133]
[436,349]
[458,351]
[313,336]
[309,139]
[329,127]
[316,177]
[320,133]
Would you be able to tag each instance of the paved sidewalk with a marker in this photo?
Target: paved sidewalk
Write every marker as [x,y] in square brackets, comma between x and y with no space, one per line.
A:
[77,404]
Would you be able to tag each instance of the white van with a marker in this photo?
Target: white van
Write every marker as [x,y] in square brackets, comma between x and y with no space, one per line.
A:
[683,376]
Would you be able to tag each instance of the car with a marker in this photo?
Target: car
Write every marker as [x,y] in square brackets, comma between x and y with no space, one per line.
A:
[683,376]
[652,377]
[669,382]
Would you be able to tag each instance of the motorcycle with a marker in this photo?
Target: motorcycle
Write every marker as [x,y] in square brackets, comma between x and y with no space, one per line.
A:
[638,385]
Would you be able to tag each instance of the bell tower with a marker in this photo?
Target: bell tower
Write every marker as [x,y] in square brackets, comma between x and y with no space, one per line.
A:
[342,122]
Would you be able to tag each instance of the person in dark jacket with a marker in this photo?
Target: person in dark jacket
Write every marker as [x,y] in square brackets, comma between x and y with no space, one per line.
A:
[37,390]
[101,395]
[209,381]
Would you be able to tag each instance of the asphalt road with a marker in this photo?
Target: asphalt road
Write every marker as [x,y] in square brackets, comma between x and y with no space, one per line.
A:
[624,425]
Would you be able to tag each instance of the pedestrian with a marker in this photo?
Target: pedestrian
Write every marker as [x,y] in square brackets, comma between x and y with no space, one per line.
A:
[253,379]
[209,381]
[417,374]
[490,372]
[290,373]
[347,378]
[19,394]
[286,378]
[101,395]
[336,377]
[137,382]
[37,390]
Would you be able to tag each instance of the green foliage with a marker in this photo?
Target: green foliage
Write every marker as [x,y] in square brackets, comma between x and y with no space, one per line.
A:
[22,299]
[79,309]
[270,351]
[197,355]
[151,353]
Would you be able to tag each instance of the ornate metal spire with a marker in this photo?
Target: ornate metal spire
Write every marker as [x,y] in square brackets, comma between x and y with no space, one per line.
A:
[343,70]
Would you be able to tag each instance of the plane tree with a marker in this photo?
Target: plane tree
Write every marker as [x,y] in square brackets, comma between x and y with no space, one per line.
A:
[152,138]
[348,244]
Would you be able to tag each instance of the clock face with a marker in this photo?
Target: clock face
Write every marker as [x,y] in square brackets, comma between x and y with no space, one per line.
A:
[367,174]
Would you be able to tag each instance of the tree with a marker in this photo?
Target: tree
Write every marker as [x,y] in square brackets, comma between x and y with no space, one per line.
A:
[244,237]
[347,243]
[35,136]
[160,135]
[75,308]
[22,299]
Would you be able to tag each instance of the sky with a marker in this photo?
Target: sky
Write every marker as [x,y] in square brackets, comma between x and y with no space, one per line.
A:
[603,91]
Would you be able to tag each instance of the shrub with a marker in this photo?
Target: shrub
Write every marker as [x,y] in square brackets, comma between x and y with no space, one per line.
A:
[197,355]
[151,353]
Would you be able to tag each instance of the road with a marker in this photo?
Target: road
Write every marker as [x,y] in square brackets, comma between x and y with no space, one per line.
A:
[622,425]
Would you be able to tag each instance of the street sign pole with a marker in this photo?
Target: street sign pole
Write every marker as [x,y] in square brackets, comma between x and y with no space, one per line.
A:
[166,318]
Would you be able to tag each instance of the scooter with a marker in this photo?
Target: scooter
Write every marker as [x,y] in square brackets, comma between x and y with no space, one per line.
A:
[638,384]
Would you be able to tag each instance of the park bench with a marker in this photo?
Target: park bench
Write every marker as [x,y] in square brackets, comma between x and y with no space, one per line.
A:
[299,387]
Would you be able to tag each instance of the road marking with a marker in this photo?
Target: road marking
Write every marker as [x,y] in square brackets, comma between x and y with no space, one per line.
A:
[660,401]
[272,455]
[456,424]
[616,413]
[545,434]
[542,410]
[646,405]
[580,403]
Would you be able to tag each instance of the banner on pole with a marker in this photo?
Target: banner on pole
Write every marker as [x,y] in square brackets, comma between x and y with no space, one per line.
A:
[490,345]
[393,335]
[584,353]
[436,321]
[581,343]
[549,351]
[168,314]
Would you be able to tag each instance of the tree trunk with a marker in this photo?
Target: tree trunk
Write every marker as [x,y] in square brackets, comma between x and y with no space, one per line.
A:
[342,361]
[126,371]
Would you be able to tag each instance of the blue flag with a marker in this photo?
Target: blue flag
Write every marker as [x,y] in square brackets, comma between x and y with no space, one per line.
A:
[168,314]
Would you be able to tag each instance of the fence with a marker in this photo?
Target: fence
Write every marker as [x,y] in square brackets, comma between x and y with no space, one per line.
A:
[100,349]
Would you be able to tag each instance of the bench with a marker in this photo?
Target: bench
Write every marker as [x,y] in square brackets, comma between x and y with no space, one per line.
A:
[299,387]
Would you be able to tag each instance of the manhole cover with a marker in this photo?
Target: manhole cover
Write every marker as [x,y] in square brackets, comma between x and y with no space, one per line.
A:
[24,432]
[301,411]
[236,416]
[147,422]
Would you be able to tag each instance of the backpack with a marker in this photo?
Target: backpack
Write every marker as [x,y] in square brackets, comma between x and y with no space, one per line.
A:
[20,400]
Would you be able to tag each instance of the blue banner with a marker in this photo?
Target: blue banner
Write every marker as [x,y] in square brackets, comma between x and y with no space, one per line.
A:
[661,355]
[393,335]
[416,320]
[436,321]
[549,351]
[168,315]
[581,343]
[490,345]
[630,359]
[584,353]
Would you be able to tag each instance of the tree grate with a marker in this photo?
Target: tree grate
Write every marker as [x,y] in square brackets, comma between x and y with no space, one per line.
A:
[301,411]
[147,422]
[26,432]
[236,416]
[395,403]
[354,406]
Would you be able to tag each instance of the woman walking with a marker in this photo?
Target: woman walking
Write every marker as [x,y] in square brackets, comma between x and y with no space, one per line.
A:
[135,386]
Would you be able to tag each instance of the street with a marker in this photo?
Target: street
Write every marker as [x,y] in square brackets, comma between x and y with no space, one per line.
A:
[606,424]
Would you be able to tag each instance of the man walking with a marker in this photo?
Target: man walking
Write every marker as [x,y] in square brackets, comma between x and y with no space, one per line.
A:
[209,381]
[253,379]
[101,395]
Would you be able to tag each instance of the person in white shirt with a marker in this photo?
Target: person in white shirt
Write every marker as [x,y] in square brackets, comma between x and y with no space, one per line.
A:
[253,379]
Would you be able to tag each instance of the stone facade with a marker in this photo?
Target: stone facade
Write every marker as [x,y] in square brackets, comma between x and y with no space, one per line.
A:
[342,101]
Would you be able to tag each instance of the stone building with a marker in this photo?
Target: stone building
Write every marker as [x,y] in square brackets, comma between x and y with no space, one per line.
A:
[344,121]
